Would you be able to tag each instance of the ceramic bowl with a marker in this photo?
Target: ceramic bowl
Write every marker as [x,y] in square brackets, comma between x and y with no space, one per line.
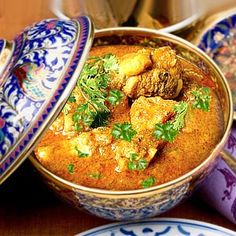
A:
[143,203]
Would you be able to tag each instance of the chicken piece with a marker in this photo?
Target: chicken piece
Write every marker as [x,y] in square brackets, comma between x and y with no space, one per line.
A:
[94,140]
[146,112]
[125,151]
[135,63]
[156,72]
[64,123]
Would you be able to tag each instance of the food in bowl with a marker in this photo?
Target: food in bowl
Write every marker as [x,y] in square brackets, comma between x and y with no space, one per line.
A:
[138,117]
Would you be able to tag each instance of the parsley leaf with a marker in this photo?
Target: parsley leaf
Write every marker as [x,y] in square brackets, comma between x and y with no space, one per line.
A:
[81,154]
[169,130]
[181,111]
[202,98]
[165,132]
[72,98]
[123,131]
[148,182]
[115,96]
[70,168]
[141,164]
[93,83]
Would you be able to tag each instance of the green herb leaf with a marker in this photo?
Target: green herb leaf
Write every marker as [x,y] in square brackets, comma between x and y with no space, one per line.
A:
[110,63]
[141,164]
[201,98]
[100,119]
[72,98]
[115,97]
[81,154]
[148,182]
[123,131]
[97,175]
[70,168]
[181,111]
[171,129]
[133,156]
[93,83]
[165,132]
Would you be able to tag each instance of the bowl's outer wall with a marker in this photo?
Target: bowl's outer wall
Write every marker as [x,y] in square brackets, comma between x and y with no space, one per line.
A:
[146,203]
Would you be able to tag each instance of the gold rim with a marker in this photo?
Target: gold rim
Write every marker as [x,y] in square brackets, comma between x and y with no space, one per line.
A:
[184,178]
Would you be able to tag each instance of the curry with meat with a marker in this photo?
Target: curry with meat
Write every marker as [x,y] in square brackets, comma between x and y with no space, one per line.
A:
[138,117]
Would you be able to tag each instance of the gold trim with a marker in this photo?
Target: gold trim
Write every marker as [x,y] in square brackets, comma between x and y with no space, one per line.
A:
[187,178]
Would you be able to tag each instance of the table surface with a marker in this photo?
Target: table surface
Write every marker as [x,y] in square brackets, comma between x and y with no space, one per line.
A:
[27,207]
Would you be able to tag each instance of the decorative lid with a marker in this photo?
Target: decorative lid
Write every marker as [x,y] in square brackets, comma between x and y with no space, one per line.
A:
[38,71]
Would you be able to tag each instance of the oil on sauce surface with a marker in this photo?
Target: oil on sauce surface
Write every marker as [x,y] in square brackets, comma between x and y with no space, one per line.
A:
[201,132]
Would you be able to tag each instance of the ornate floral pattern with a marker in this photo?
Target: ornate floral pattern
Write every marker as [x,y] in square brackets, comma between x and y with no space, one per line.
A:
[44,59]
[219,42]
[158,227]
[120,208]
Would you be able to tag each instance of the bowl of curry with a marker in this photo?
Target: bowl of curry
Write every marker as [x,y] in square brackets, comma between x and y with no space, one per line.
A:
[142,128]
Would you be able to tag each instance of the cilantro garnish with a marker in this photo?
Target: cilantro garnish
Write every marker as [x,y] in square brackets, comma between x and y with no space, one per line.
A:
[148,182]
[93,83]
[141,164]
[169,130]
[181,110]
[135,164]
[72,98]
[115,97]
[201,98]
[70,168]
[81,154]
[123,131]
[165,131]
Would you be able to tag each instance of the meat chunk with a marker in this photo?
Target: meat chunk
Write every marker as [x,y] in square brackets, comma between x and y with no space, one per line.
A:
[146,112]
[94,141]
[135,63]
[150,72]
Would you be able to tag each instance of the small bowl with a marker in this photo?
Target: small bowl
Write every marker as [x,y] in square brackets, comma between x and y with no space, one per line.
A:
[165,16]
[143,203]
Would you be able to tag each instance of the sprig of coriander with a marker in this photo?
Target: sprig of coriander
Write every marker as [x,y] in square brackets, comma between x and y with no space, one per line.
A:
[93,83]
[141,164]
[70,168]
[147,183]
[201,98]
[169,130]
[123,131]
[81,154]
[165,132]
[181,110]
[115,97]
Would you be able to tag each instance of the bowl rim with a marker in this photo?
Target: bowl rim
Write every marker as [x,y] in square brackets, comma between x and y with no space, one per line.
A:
[182,179]
[211,22]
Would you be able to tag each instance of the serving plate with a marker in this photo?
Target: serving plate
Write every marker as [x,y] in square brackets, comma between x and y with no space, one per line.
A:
[219,42]
[160,226]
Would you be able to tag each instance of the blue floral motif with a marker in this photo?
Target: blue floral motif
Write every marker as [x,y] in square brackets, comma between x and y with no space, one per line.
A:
[46,49]
[159,227]
[45,57]
[2,42]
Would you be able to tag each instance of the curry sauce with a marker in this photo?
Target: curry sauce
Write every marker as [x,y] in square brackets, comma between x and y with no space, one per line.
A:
[150,119]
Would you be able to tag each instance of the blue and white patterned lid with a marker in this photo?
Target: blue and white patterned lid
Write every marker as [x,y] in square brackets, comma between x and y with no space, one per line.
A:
[38,71]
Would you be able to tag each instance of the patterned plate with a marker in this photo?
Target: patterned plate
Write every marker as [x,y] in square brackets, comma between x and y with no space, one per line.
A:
[219,42]
[160,226]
